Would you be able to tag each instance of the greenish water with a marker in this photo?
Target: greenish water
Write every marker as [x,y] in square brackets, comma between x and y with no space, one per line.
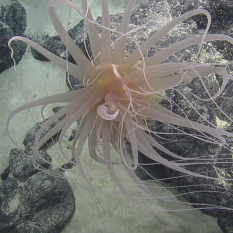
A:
[118,214]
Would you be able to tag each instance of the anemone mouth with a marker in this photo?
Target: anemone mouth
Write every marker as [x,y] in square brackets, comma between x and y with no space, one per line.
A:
[117,101]
[107,113]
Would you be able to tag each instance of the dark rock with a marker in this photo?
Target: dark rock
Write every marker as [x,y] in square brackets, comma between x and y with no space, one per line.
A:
[225,222]
[10,194]
[43,201]
[53,44]
[5,173]
[221,19]
[12,23]
[21,164]
[73,83]
[202,191]
[56,46]
[31,134]
[45,204]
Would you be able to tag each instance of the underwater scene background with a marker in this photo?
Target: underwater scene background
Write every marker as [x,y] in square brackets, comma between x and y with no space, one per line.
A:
[35,79]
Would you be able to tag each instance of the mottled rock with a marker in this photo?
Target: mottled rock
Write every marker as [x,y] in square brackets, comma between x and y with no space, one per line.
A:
[45,203]
[225,223]
[12,23]
[21,164]
[10,194]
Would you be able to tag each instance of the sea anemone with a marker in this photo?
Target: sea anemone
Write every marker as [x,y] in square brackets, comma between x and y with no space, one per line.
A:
[122,93]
